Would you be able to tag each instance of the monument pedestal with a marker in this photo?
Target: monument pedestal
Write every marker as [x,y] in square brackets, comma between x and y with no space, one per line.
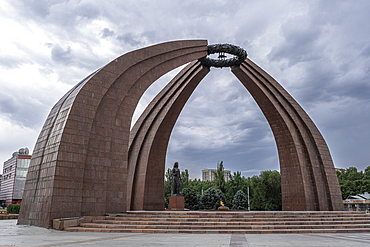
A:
[177,203]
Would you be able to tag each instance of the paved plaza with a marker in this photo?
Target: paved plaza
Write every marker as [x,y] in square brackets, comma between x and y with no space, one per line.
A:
[16,235]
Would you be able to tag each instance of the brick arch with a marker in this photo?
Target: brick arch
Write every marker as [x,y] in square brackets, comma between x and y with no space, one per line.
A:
[79,163]
[309,181]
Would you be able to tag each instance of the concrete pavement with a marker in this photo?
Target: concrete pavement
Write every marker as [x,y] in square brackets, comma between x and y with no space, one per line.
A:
[15,235]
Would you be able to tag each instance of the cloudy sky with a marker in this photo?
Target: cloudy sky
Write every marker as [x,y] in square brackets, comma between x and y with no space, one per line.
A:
[319,51]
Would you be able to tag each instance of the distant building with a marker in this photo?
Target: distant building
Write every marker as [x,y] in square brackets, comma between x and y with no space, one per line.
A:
[14,177]
[360,202]
[340,169]
[1,176]
[208,174]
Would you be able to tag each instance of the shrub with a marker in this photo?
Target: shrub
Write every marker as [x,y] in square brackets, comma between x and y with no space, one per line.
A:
[222,196]
[13,208]
[240,201]
[191,200]
[166,203]
[199,197]
[211,199]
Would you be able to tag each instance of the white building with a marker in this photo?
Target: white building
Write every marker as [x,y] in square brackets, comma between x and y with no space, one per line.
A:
[208,174]
[14,177]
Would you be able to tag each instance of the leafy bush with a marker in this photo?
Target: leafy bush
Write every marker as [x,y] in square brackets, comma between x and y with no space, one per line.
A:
[211,199]
[13,208]
[166,203]
[240,201]
[191,200]
[200,205]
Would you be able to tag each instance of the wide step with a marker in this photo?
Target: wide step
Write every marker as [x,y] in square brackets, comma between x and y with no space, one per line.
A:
[229,222]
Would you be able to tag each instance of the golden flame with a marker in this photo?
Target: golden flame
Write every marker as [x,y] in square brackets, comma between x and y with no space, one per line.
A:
[222,204]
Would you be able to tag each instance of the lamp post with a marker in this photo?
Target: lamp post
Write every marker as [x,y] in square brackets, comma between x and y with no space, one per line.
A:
[249,206]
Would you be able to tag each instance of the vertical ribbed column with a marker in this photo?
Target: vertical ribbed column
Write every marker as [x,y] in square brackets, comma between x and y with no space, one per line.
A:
[150,135]
[308,176]
[79,166]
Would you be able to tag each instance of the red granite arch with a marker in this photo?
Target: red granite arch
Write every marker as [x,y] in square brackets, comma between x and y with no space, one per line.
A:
[309,180]
[86,161]
[79,163]
[149,139]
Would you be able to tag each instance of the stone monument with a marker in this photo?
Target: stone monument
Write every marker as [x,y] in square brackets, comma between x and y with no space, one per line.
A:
[87,160]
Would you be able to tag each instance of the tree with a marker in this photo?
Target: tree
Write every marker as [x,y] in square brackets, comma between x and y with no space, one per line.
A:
[266,191]
[353,182]
[236,182]
[207,184]
[211,199]
[240,201]
[184,179]
[196,185]
[366,180]
[168,183]
[191,200]
[220,177]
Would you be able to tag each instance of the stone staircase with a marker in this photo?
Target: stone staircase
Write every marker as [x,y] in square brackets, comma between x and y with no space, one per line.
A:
[227,222]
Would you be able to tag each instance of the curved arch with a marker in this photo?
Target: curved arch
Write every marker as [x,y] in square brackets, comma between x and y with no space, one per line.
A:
[86,162]
[309,181]
[149,139]
[84,141]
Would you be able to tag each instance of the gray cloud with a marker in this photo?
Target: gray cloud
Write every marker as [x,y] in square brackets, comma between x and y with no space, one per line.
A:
[130,39]
[318,50]
[21,109]
[105,33]
[10,62]
[62,56]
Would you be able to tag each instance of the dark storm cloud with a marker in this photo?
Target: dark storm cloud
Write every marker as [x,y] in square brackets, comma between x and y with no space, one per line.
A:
[318,50]
[221,122]
[39,8]
[106,33]
[62,56]
[22,111]
[130,39]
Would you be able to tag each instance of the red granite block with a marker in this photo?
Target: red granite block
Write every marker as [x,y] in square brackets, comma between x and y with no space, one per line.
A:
[177,203]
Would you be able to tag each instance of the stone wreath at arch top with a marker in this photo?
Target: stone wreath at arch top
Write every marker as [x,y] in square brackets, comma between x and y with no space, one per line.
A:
[239,56]
[87,160]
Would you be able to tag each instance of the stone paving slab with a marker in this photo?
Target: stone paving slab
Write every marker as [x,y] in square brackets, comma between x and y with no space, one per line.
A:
[15,235]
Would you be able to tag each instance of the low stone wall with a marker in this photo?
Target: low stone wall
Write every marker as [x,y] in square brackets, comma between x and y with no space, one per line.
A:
[60,224]
[8,216]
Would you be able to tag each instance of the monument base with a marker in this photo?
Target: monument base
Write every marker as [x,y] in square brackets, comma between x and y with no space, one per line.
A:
[177,203]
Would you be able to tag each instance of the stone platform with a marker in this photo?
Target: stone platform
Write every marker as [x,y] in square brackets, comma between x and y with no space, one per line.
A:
[237,222]
[8,216]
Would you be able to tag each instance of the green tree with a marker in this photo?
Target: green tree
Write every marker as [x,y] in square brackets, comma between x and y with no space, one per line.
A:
[207,184]
[168,183]
[240,201]
[220,177]
[191,200]
[266,191]
[236,182]
[184,179]
[211,199]
[366,180]
[196,185]
[353,182]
